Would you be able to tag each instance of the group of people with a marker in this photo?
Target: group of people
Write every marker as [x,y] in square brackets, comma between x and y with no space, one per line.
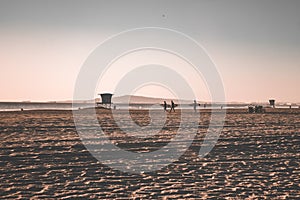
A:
[172,106]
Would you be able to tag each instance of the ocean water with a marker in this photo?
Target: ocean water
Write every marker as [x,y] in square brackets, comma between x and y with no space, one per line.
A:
[17,106]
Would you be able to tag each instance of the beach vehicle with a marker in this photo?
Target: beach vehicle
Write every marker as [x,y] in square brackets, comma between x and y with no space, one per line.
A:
[256,109]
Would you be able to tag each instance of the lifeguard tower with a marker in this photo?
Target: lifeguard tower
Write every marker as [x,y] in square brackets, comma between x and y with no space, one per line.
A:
[105,100]
[272,102]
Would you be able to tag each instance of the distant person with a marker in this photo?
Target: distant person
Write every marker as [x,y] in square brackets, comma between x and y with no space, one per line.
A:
[204,105]
[165,106]
[195,105]
[172,106]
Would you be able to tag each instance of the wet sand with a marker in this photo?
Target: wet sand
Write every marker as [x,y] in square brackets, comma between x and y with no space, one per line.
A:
[257,156]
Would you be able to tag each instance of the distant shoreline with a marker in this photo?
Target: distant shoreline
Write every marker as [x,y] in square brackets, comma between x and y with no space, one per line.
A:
[64,105]
[202,110]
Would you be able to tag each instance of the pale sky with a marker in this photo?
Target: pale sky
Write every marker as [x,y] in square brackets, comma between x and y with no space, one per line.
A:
[255,44]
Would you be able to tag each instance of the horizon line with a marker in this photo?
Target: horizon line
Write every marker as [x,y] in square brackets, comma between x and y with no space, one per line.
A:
[150,97]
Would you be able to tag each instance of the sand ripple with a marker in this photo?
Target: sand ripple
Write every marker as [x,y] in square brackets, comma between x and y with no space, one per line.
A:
[257,156]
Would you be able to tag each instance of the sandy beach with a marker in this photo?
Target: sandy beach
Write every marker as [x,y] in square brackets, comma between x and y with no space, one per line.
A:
[257,156]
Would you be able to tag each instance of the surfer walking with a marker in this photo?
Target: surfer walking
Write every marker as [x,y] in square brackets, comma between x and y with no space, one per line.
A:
[165,106]
[172,106]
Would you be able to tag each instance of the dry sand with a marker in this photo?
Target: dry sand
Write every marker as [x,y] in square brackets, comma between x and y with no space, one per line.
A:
[257,156]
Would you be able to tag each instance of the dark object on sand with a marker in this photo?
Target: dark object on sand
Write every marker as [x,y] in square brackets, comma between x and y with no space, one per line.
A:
[250,109]
[256,109]
[272,103]
[259,109]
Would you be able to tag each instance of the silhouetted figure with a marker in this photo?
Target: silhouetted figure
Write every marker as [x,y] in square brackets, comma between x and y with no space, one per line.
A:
[22,109]
[172,106]
[165,106]
[195,106]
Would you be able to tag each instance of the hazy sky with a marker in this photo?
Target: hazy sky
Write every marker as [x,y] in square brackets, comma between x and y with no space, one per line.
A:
[255,44]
